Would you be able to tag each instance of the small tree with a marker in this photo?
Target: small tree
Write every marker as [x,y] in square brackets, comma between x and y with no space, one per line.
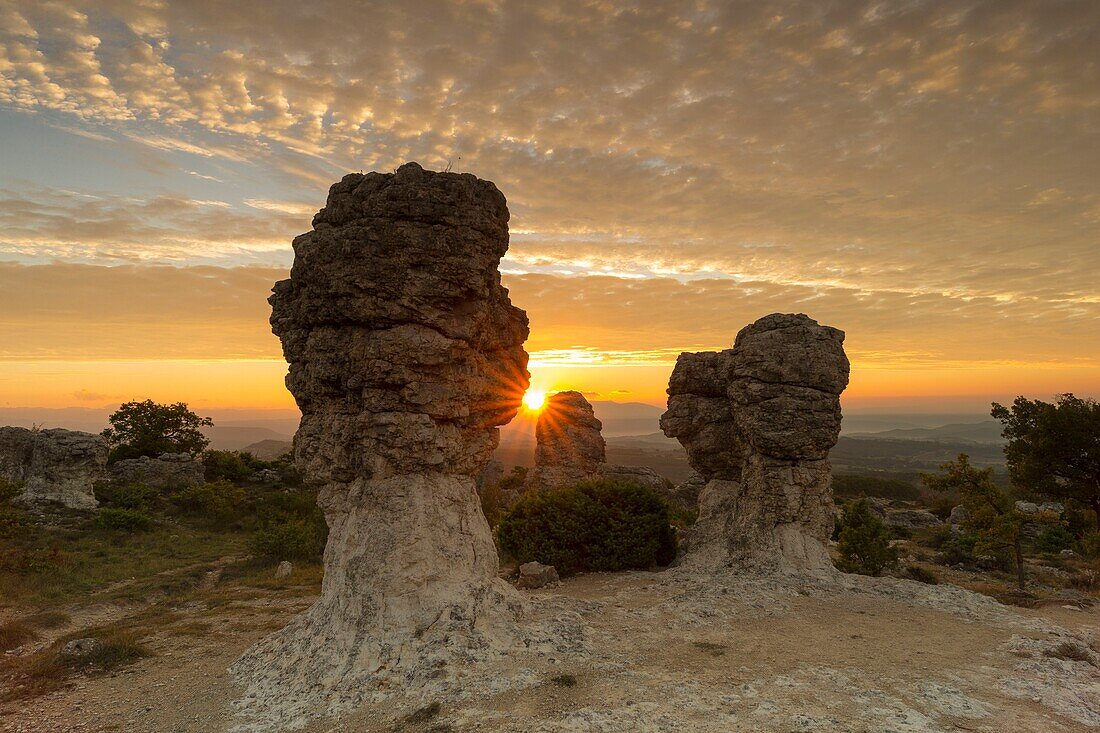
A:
[991,513]
[1054,449]
[150,429]
[864,541]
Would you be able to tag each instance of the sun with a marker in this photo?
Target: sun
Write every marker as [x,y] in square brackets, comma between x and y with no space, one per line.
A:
[534,400]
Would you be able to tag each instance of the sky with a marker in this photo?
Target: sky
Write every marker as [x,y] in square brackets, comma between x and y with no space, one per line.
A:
[923,175]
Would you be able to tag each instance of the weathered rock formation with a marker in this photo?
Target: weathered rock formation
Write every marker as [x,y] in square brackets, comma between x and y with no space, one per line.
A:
[686,493]
[166,471]
[757,422]
[405,355]
[569,447]
[640,475]
[54,465]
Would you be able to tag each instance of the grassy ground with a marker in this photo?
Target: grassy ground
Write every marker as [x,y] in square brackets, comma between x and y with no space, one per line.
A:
[69,564]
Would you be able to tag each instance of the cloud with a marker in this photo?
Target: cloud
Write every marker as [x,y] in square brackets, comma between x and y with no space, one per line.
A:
[917,147]
[58,311]
[60,224]
[920,174]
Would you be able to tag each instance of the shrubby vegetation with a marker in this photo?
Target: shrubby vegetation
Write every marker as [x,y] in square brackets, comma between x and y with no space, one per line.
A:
[147,428]
[593,526]
[854,486]
[493,496]
[864,541]
[1054,449]
[992,518]
[123,520]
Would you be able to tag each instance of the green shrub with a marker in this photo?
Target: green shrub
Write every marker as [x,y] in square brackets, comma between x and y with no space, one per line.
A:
[1053,539]
[959,549]
[230,465]
[123,520]
[864,541]
[128,496]
[1090,544]
[290,540]
[920,574]
[936,537]
[593,526]
[853,486]
[220,502]
[11,517]
[495,496]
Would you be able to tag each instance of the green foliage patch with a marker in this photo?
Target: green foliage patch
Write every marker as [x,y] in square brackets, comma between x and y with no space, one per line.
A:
[123,520]
[864,541]
[593,526]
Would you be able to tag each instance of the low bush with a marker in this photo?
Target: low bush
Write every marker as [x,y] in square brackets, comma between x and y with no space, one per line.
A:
[593,526]
[50,669]
[959,549]
[123,520]
[1089,545]
[936,537]
[295,539]
[941,504]
[920,574]
[1053,539]
[220,503]
[11,517]
[14,634]
[864,541]
[128,496]
[854,486]
[496,496]
[230,465]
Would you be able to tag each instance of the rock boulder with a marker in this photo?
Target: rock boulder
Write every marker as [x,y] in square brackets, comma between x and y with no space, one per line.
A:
[166,471]
[55,466]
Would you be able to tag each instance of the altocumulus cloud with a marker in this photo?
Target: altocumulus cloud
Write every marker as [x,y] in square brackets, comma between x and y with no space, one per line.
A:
[921,173]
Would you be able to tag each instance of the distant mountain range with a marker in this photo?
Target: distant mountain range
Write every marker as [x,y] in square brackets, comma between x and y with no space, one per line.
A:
[987,431]
[878,443]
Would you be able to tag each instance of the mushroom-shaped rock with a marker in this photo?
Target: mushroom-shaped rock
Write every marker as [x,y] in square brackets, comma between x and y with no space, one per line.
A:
[405,354]
[757,422]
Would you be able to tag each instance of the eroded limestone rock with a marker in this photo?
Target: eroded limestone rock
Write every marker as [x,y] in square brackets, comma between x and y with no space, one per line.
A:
[166,471]
[55,466]
[757,422]
[640,475]
[569,445]
[405,355]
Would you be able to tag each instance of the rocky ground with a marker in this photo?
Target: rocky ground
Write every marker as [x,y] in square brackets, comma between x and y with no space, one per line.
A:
[661,651]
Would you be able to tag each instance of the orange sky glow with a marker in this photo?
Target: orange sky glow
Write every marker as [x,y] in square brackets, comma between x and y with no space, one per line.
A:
[919,175]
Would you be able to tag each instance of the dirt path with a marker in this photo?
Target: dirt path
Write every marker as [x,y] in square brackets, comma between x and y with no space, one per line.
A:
[667,655]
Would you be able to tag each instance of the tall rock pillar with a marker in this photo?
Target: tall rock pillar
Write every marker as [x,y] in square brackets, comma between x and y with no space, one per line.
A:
[405,355]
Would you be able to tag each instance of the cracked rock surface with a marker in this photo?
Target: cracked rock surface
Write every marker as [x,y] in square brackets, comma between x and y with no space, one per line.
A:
[569,446]
[55,466]
[405,355]
[757,422]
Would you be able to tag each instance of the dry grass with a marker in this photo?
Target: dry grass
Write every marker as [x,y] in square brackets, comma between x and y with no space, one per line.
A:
[50,670]
[47,619]
[1070,651]
[714,650]
[15,634]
